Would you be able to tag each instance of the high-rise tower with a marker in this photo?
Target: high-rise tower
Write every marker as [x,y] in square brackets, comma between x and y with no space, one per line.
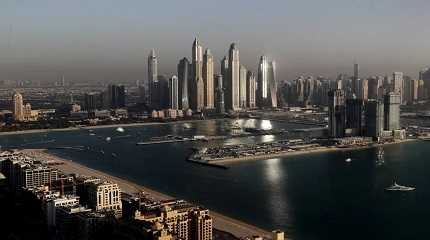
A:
[183,83]
[267,85]
[251,88]
[173,93]
[18,107]
[197,94]
[208,76]
[398,86]
[242,86]
[336,112]
[153,78]
[233,93]
[355,85]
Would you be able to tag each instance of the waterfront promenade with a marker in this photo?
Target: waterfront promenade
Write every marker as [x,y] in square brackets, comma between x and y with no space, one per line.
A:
[221,222]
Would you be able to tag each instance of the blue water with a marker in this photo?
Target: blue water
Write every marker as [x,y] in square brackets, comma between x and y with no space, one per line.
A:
[315,196]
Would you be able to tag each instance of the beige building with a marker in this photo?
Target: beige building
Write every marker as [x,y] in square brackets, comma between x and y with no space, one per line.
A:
[104,196]
[208,77]
[18,107]
[197,95]
[233,79]
[184,221]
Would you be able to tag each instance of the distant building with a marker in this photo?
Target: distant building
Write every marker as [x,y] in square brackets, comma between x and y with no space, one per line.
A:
[355,80]
[354,108]
[52,204]
[116,95]
[233,79]
[336,112]
[208,77]
[220,108]
[90,101]
[424,75]
[374,118]
[173,93]
[398,85]
[267,85]
[18,107]
[184,73]
[153,78]
[251,90]
[392,103]
[242,87]
[197,96]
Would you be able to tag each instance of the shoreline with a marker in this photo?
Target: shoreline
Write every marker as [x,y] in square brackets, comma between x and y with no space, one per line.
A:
[221,222]
[31,131]
[227,161]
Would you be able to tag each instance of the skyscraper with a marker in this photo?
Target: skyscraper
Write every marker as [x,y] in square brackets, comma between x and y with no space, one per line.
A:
[425,77]
[267,85]
[398,86]
[220,108]
[153,78]
[392,103]
[374,118]
[18,107]
[173,93]
[224,71]
[197,96]
[233,91]
[116,95]
[336,121]
[183,83]
[355,85]
[90,101]
[208,76]
[242,86]
[354,116]
[251,89]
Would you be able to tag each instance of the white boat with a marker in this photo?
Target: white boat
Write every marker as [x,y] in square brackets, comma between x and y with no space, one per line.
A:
[397,187]
[348,160]
[120,129]
[108,139]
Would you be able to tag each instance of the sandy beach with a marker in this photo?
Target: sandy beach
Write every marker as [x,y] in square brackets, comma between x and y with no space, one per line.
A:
[221,222]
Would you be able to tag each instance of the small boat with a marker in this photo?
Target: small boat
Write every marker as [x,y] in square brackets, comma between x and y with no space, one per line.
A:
[380,157]
[92,134]
[348,160]
[108,139]
[120,129]
[102,152]
[400,188]
[114,155]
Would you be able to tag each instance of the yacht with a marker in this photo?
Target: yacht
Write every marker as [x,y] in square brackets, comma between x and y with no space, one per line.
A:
[397,187]
[348,160]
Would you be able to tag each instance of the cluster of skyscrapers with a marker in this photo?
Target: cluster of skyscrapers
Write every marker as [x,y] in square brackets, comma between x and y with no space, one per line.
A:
[197,87]
[358,110]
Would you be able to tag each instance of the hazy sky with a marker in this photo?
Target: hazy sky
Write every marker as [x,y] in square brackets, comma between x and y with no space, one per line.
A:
[107,40]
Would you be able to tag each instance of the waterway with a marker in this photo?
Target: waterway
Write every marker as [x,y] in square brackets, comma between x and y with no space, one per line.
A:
[315,196]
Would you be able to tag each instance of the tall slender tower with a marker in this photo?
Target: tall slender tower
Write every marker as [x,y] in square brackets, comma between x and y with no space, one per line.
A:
[208,76]
[251,88]
[355,87]
[242,86]
[267,85]
[224,71]
[183,83]
[233,93]
[173,93]
[197,93]
[153,78]
[220,94]
[398,86]
[18,107]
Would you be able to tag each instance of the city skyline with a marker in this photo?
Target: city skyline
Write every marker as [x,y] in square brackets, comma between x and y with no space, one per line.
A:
[110,42]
